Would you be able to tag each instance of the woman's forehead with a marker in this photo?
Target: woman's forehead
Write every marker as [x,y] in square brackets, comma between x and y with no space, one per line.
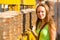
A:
[41,8]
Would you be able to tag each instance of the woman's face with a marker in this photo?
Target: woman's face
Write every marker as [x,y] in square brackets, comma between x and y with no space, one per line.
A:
[41,12]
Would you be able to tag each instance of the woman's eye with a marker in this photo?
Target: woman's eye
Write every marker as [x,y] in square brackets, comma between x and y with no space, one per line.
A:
[42,11]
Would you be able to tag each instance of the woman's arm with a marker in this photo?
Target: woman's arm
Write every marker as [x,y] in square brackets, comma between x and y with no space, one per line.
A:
[52,30]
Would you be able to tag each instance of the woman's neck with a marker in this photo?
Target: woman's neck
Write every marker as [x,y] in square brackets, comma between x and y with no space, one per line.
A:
[43,20]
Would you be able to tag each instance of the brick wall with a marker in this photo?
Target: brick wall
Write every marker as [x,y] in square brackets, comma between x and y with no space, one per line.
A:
[11,28]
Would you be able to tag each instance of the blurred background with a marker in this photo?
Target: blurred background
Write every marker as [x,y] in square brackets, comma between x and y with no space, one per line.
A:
[25,17]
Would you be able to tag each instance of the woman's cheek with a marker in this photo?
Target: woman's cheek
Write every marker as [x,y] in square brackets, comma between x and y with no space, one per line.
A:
[38,15]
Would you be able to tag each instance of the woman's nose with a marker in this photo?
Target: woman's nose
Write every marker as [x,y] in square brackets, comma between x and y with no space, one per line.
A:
[40,13]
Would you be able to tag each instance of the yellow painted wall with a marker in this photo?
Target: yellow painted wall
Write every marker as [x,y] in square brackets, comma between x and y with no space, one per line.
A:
[30,2]
[18,2]
[10,1]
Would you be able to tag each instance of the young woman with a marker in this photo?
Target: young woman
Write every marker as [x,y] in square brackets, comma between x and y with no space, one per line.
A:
[45,26]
